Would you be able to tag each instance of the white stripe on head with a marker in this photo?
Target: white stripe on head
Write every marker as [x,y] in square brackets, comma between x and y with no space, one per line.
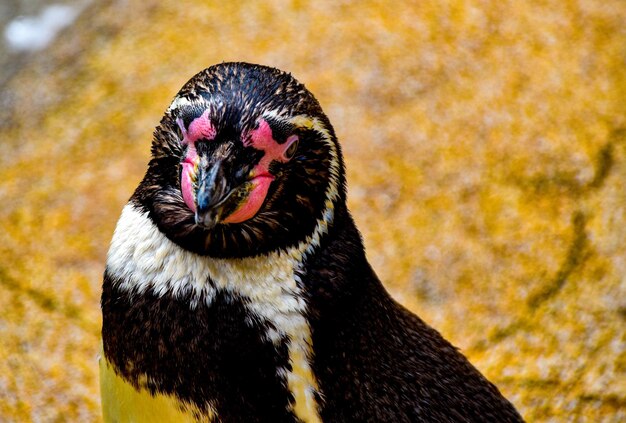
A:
[178,102]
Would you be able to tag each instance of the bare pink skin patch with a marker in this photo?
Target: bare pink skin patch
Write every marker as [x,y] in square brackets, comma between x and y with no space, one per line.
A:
[261,139]
[200,128]
[253,203]
[189,168]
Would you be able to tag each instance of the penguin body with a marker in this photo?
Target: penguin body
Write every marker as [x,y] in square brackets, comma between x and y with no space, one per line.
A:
[237,288]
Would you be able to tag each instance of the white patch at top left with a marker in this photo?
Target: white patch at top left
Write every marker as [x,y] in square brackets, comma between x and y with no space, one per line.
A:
[33,33]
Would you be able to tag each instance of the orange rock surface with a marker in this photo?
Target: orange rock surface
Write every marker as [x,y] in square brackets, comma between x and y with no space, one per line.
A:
[485,143]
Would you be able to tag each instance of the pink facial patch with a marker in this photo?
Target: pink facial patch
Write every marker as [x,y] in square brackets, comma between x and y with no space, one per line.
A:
[200,127]
[189,169]
[254,202]
[261,139]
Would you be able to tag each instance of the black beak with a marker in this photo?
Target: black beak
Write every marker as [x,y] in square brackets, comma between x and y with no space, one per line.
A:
[213,191]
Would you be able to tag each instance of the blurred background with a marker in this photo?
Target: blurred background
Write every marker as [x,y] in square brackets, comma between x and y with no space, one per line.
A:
[485,144]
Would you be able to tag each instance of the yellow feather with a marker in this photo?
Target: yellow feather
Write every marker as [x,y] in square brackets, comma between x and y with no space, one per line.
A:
[122,403]
[302,385]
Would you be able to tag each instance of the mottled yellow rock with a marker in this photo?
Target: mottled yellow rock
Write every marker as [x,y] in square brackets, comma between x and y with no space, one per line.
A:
[486,151]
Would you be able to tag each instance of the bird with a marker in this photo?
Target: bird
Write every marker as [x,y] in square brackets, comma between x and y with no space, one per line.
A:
[236,286]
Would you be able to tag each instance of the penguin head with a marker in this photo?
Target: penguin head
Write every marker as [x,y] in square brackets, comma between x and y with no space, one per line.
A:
[244,162]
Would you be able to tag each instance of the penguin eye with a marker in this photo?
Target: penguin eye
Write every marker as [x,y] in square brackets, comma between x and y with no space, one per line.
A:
[291,150]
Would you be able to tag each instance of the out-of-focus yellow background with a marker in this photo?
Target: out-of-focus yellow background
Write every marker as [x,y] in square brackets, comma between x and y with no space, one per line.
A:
[485,144]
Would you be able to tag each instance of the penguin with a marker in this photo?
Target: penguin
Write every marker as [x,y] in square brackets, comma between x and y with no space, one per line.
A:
[236,286]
